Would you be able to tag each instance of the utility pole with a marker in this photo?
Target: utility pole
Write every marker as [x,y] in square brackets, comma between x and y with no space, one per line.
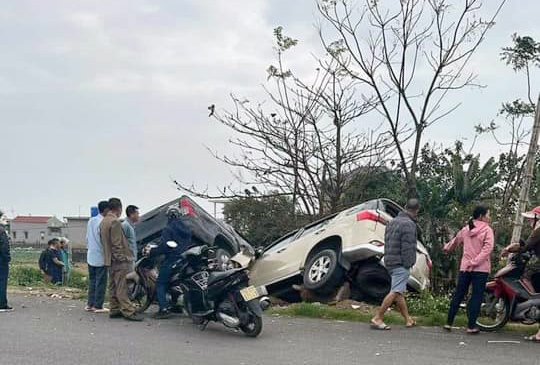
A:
[529,171]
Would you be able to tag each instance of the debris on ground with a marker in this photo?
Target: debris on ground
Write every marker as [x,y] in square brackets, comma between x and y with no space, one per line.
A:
[353,304]
[51,292]
[278,302]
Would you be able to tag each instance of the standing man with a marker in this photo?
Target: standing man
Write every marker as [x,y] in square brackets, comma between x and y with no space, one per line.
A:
[66,259]
[97,272]
[5,258]
[119,258]
[399,256]
[128,226]
[44,259]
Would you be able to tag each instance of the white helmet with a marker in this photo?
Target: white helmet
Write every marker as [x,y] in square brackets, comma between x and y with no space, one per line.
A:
[174,212]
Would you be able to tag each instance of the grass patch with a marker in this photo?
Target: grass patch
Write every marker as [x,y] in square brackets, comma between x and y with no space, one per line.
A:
[25,275]
[426,303]
[30,276]
[433,319]
[311,310]
[79,280]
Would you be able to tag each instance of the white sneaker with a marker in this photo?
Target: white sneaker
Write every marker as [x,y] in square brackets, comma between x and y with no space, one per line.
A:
[102,310]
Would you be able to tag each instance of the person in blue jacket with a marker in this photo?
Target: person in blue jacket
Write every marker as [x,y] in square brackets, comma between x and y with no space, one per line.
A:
[180,233]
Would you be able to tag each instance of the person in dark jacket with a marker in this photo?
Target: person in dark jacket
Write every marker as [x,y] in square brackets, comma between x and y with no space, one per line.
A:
[55,265]
[5,258]
[399,257]
[180,233]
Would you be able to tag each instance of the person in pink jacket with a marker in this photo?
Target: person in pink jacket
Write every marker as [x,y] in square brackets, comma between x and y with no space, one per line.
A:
[477,240]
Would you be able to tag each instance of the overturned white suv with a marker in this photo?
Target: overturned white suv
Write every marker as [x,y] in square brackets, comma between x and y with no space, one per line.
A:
[344,246]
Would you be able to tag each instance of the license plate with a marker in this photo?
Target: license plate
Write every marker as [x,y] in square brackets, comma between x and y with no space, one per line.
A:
[253,292]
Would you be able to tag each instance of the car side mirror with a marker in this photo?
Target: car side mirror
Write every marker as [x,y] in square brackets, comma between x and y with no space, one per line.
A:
[259,252]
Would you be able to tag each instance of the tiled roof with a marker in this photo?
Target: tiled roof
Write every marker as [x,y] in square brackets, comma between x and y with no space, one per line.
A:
[31,219]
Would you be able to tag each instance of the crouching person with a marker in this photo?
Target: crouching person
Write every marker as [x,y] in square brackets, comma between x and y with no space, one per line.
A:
[119,258]
[400,255]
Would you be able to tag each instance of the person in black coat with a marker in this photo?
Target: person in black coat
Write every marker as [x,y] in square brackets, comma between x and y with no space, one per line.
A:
[180,233]
[5,258]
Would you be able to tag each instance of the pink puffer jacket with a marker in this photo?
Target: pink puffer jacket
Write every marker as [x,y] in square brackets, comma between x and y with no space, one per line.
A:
[477,247]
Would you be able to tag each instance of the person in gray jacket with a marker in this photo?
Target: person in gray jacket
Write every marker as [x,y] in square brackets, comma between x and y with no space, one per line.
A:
[399,257]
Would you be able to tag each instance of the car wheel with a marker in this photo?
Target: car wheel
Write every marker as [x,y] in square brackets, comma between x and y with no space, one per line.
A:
[371,283]
[323,274]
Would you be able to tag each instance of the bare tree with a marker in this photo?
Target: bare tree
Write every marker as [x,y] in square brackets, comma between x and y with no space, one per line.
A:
[308,142]
[411,54]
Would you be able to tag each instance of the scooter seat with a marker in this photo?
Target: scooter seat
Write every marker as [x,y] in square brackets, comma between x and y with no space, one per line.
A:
[216,276]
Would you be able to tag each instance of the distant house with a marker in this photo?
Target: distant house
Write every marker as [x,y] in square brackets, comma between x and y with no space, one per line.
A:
[35,229]
[75,230]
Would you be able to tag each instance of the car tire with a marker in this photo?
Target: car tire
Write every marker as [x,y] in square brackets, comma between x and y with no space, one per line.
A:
[322,273]
[371,283]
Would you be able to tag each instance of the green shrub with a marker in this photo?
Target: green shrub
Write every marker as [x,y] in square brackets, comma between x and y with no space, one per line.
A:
[427,304]
[25,276]
[78,280]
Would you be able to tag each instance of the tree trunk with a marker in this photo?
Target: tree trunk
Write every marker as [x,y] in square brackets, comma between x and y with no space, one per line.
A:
[529,171]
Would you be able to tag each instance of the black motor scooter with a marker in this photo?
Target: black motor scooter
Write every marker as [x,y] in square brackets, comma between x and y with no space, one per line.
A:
[220,296]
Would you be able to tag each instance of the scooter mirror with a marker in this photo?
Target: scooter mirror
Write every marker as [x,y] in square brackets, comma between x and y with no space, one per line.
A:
[172,244]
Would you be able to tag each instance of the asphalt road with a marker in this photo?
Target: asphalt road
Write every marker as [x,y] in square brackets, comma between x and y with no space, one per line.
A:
[57,331]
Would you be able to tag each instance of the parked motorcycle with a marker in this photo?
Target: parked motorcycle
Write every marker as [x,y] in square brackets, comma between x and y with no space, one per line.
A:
[205,293]
[221,296]
[142,282]
[510,297]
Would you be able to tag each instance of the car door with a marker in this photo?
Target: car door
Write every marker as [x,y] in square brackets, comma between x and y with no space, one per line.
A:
[273,264]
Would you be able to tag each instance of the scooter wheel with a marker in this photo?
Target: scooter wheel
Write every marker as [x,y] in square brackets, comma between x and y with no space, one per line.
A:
[254,327]
[494,312]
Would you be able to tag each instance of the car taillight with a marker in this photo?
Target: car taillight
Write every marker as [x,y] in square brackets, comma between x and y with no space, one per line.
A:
[429,265]
[369,215]
[186,205]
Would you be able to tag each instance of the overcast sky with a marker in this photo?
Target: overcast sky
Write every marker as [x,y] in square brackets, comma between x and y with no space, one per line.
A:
[109,98]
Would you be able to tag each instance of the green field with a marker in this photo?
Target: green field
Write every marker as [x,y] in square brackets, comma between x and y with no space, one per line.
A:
[25,256]
[25,270]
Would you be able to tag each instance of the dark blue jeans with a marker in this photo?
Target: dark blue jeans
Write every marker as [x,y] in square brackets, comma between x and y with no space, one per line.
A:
[4,273]
[97,285]
[478,281]
[163,283]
